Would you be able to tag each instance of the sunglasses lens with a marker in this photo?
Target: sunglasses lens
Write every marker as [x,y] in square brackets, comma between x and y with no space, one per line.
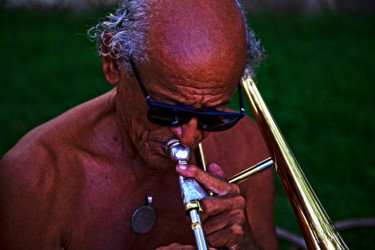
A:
[218,122]
[172,117]
[167,116]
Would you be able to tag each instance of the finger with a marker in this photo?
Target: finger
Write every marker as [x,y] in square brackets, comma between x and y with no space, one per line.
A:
[209,182]
[216,205]
[215,170]
[216,223]
[176,246]
[228,236]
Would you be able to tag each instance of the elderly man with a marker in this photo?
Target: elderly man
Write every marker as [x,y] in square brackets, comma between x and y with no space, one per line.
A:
[76,181]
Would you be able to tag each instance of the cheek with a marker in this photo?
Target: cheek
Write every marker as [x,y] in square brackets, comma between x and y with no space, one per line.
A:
[148,139]
[151,147]
[140,129]
[133,110]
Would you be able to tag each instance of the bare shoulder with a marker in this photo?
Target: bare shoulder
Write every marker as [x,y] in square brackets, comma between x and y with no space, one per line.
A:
[38,177]
[18,166]
[39,149]
[44,153]
[29,156]
[30,187]
[25,179]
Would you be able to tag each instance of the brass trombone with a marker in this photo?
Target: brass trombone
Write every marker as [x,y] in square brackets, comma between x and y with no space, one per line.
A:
[318,230]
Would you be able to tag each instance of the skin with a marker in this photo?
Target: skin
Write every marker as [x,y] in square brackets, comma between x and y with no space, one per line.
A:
[74,182]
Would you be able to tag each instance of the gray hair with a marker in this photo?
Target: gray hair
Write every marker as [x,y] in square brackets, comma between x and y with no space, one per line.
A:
[254,48]
[129,25]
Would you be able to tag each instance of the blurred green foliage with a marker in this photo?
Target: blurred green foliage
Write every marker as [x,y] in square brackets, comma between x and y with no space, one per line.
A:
[317,81]
[47,65]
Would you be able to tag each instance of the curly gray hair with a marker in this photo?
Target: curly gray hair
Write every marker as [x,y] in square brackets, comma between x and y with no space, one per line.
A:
[129,25]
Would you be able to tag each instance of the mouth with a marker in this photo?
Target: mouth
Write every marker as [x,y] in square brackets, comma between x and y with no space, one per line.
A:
[160,141]
[160,147]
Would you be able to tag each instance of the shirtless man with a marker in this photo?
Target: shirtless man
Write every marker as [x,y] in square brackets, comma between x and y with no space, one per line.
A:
[75,181]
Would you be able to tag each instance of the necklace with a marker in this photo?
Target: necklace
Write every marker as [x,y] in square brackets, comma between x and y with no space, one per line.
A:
[144,217]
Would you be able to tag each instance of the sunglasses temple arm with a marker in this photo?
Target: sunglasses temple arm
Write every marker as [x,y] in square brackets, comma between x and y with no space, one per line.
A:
[140,83]
[240,97]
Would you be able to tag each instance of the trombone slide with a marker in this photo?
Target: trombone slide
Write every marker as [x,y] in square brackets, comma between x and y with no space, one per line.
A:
[253,170]
[191,191]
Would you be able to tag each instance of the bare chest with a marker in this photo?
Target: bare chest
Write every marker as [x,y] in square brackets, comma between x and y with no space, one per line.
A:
[102,219]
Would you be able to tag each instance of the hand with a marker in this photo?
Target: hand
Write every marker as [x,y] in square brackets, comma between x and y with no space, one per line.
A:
[176,246]
[224,215]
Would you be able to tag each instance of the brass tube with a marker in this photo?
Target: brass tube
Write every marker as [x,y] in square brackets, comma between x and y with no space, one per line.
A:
[203,158]
[317,229]
[253,170]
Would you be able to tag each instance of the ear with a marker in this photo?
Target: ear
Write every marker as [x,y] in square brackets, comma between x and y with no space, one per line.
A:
[111,69]
[111,66]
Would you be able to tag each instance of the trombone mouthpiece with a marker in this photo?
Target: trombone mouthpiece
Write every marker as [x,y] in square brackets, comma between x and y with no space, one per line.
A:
[177,152]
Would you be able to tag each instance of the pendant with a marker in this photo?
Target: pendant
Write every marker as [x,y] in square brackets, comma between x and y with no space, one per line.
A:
[144,218]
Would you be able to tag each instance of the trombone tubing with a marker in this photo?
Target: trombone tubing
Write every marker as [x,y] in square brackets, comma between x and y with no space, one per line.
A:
[253,170]
[317,229]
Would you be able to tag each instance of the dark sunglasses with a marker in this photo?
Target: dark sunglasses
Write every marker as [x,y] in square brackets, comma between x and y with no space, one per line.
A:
[173,116]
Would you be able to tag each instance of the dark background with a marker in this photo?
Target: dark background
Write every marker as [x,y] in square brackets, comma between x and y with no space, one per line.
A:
[317,81]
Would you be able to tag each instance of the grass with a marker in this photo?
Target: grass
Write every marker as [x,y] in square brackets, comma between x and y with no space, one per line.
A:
[317,80]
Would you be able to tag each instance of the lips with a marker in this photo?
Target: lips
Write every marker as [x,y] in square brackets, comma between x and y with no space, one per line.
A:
[160,140]
[160,147]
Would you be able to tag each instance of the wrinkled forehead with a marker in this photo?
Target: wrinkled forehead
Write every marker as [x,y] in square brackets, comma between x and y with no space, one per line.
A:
[203,41]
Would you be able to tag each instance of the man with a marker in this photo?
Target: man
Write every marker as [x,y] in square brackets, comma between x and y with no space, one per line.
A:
[76,181]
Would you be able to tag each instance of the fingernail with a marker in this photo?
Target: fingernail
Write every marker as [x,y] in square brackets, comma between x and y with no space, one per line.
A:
[182,166]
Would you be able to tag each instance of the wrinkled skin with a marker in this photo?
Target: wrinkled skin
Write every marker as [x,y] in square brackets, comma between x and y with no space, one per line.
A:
[74,182]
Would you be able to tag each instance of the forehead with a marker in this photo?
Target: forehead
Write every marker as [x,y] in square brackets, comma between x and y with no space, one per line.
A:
[187,92]
[197,44]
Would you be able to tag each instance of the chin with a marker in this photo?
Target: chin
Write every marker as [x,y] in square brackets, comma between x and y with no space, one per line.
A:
[160,163]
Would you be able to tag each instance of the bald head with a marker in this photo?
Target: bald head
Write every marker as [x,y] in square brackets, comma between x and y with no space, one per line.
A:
[198,37]
[191,31]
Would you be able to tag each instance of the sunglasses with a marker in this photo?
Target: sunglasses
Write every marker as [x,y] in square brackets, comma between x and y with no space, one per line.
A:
[173,116]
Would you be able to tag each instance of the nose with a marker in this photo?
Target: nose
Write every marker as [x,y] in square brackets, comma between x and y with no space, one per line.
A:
[188,133]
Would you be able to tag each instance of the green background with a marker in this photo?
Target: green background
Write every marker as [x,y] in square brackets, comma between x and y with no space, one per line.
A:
[317,81]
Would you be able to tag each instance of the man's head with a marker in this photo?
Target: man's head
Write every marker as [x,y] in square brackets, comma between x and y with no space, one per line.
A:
[188,53]
[131,22]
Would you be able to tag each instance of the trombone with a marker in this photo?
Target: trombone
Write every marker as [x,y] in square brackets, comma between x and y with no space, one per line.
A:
[318,230]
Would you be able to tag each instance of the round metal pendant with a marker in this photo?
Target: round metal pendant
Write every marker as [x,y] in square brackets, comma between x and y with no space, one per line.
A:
[143,220]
